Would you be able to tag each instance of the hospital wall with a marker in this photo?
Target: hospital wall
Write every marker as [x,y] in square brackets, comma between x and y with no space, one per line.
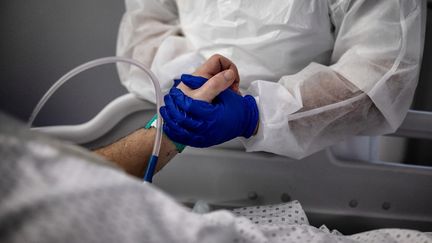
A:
[42,40]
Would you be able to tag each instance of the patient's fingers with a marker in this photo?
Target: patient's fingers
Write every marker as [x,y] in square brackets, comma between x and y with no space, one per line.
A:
[214,86]
[192,106]
[216,64]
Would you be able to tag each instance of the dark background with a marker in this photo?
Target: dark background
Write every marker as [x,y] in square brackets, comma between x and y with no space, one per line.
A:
[42,40]
[419,151]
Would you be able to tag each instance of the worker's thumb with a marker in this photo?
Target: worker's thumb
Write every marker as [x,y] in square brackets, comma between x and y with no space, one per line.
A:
[216,85]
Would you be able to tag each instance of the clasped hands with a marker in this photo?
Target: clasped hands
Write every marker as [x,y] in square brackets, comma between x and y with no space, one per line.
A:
[206,108]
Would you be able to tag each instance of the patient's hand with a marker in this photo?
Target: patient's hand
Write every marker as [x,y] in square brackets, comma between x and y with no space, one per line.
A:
[221,72]
[190,121]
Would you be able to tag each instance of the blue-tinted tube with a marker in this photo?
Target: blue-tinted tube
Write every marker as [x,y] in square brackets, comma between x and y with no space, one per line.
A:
[151,167]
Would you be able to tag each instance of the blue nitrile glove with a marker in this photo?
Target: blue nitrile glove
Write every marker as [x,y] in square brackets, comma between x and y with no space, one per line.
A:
[202,124]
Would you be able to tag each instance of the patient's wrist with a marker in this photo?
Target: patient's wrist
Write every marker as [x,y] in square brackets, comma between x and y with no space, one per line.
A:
[152,124]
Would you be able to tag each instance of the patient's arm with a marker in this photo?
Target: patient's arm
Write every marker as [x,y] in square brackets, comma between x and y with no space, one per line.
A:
[132,152]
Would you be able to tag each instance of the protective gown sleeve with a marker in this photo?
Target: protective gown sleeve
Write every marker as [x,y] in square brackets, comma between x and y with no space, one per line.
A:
[146,24]
[367,89]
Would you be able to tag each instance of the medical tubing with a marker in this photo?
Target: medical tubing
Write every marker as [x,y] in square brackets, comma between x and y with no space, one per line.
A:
[151,167]
[102,61]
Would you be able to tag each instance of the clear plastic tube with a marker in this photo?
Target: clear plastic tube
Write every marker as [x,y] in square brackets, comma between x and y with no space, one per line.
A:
[102,61]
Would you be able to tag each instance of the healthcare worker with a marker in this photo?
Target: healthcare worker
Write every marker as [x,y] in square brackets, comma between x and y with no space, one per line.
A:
[319,71]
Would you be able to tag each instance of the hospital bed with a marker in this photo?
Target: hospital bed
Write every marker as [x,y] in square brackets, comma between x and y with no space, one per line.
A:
[347,194]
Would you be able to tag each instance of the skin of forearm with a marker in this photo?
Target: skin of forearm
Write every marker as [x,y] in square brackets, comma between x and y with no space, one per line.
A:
[133,152]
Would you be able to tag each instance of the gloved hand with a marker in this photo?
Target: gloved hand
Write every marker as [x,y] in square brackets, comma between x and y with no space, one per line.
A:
[199,123]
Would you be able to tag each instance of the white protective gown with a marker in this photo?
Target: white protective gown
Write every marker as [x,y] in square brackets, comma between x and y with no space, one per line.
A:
[320,70]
